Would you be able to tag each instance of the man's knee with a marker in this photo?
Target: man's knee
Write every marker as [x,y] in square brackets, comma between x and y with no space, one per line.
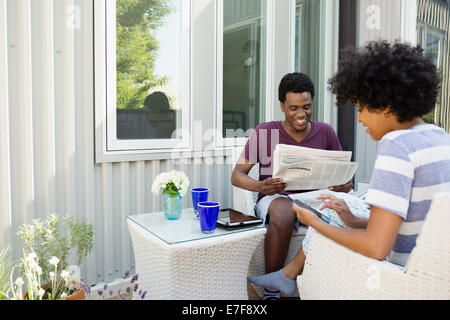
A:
[280,213]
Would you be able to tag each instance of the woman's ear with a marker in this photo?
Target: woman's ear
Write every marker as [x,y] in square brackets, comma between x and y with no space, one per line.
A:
[387,111]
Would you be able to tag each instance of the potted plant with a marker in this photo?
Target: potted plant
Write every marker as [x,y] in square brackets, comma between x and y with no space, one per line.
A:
[60,287]
[174,185]
[48,246]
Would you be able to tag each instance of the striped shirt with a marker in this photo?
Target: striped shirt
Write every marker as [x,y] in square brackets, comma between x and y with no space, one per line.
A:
[411,166]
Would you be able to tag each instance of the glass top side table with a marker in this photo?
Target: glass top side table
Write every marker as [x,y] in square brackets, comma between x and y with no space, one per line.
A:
[185,229]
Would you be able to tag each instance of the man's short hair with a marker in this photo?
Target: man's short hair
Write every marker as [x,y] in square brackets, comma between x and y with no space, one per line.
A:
[295,82]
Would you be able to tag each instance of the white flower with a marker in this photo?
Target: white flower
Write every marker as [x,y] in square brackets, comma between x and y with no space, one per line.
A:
[63,295]
[54,261]
[35,267]
[38,270]
[19,281]
[65,275]
[178,178]
[31,257]
[41,293]
[52,275]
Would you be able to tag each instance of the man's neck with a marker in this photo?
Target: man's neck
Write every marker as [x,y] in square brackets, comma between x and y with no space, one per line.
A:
[294,134]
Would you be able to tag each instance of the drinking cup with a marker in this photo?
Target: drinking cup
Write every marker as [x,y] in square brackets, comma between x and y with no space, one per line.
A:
[208,213]
[199,195]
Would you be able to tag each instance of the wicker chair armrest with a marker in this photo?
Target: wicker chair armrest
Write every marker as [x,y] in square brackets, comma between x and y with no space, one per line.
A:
[334,272]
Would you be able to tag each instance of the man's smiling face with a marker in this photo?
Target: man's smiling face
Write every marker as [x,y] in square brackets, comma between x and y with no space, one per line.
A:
[298,110]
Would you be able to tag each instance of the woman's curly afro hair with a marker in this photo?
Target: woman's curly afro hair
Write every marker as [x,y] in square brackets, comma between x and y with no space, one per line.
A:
[380,75]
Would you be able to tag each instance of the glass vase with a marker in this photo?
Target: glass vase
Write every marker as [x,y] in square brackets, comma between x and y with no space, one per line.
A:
[172,206]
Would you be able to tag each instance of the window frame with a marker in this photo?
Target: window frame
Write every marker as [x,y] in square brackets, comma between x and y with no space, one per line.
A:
[430,30]
[220,141]
[108,147]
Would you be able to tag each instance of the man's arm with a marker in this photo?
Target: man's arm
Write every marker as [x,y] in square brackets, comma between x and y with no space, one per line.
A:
[240,179]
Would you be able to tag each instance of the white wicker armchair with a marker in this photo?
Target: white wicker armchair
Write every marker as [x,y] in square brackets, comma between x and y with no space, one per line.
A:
[334,272]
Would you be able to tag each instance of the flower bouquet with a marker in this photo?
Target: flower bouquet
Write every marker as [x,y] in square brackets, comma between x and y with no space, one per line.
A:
[174,185]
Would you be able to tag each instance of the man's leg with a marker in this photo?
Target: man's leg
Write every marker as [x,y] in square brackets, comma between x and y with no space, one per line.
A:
[279,231]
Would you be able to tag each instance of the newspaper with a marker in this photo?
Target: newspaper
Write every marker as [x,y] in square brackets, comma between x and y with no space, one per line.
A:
[306,169]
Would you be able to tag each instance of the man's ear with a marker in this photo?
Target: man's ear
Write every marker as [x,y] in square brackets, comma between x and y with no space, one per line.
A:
[282,106]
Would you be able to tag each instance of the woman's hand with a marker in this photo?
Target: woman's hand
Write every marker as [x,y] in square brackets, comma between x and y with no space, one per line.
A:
[305,216]
[340,207]
[271,186]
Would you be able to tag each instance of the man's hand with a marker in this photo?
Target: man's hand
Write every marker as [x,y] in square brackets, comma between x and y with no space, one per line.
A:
[342,188]
[271,186]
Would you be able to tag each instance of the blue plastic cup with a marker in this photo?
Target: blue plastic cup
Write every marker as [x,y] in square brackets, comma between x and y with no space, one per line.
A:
[208,213]
[199,195]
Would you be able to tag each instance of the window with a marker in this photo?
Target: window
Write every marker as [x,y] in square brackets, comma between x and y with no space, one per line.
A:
[433,36]
[187,79]
[148,76]
[307,47]
[242,67]
[430,40]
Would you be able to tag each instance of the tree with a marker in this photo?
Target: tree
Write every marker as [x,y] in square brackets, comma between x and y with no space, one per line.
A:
[137,48]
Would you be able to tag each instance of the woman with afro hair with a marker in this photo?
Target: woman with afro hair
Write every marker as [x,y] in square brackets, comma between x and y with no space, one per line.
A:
[392,87]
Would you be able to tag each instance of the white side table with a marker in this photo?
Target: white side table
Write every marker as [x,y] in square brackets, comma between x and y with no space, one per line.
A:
[176,261]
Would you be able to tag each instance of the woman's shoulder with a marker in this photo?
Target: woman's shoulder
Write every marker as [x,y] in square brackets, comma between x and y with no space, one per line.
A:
[425,131]
[418,138]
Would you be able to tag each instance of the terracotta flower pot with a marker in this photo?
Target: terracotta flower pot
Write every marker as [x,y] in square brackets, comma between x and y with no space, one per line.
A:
[80,294]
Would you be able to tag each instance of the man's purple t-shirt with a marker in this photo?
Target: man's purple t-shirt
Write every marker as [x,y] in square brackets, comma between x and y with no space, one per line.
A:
[261,145]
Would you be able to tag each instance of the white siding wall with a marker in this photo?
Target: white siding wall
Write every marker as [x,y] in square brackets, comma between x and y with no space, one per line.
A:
[47,146]
[378,19]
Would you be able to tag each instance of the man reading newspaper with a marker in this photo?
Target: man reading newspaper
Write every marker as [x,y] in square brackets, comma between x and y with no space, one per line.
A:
[296,94]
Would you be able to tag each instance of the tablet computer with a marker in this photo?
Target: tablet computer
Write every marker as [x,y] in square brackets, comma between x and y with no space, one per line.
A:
[319,214]
[230,218]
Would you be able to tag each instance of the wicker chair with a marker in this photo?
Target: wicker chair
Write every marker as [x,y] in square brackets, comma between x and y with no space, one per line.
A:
[335,272]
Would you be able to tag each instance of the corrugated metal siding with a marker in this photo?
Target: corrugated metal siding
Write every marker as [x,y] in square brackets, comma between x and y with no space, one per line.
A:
[389,29]
[47,160]
[436,13]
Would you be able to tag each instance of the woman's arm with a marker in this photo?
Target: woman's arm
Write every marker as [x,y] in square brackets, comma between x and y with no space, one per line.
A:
[375,241]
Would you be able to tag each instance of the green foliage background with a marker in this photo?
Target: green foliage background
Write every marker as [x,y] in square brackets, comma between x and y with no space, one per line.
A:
[137,49]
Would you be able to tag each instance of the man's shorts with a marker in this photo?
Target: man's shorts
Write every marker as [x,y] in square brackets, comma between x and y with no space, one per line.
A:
[262,208]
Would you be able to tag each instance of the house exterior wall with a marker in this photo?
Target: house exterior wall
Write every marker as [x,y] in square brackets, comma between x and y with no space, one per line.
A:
[378,19]
[47,123]
[47,157]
